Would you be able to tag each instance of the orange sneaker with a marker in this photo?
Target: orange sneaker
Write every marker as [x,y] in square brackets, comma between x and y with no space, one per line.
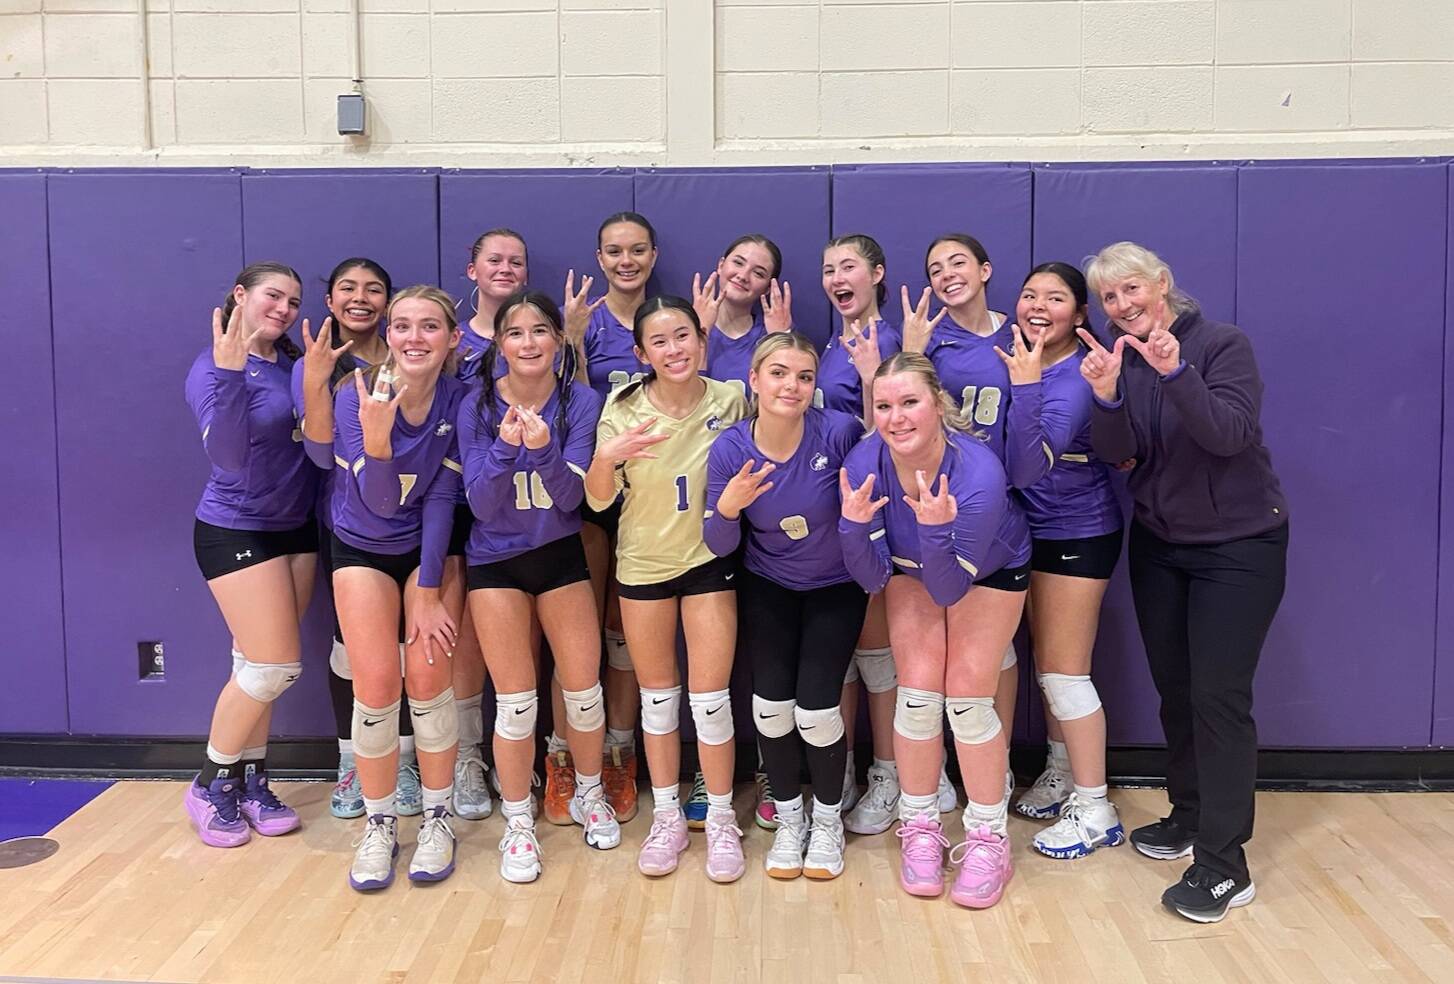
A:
[560,786]
[619,778]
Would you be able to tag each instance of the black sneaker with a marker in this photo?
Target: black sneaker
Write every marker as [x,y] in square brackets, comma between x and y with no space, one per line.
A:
[1164,840]
[1204,896]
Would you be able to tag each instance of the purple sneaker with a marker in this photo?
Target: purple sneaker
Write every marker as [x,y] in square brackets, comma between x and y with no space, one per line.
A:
[213,812]
[373,859]
[921,858]
[263,811]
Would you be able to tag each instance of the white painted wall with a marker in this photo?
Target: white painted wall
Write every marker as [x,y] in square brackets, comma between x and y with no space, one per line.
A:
[561,82]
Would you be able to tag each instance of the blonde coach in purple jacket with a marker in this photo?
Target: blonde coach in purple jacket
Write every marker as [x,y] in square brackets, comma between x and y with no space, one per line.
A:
[1182,396]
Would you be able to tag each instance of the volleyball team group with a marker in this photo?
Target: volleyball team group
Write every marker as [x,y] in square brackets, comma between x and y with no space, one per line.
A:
[548,493]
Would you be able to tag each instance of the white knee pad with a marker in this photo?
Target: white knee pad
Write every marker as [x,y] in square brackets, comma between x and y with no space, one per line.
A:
[585,710]
[338,661]
[237,660]
[1010,658]
[436,722]
[712,714]
[515,715]
[851,677]
[821,727]
[375,729]
[661,710]
[774,718]
[617,656]
[972,719]
[1069,697]
[265,682]
[919,714]
[876,667]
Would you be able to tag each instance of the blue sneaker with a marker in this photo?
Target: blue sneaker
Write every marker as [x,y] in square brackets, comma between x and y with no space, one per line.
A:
[695,808]
[347,803]
[410,791]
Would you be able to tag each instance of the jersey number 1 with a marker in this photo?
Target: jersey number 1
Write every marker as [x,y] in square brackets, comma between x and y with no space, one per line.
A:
[682,503]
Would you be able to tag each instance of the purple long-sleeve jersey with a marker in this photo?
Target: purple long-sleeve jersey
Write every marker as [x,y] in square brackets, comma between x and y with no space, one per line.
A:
[839,387]
[988,533]
[471,353]
[729,360]
[1071,496]
[261,477]
[972,372]
[524,498]
[393,506]
[792,528]
[611,360]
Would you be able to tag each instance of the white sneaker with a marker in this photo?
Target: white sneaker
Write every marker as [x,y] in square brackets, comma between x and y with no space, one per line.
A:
[519,851]
[785,858]
[948,797]
[434,854]
[824,859]
[879,807]
[595,815]
[471,789]
[850,796]
[1084,825]
[373,861]
[1043,800]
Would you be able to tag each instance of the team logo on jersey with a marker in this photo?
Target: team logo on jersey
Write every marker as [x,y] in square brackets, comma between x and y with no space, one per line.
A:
[819,462]
[444,428]
[714,423]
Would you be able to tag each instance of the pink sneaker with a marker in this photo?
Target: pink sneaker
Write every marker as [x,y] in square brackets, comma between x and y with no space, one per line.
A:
[214,813]
[984,868]
[664,843]
[725,862]
[921,857]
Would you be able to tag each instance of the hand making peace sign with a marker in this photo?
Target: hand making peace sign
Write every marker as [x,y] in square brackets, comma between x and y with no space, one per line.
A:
[918,326]
[744,489]
[1023,362]
[230,347]
[859,505]
[933,508]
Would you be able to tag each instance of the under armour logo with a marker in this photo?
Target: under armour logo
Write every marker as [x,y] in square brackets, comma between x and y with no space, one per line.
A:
[819,462]
[245,553]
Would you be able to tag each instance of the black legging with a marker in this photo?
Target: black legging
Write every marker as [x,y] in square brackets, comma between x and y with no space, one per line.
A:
[800,644]
[1204,612]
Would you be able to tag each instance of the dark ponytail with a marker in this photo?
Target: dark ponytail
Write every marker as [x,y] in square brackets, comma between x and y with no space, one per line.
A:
[868,248]
[635,218]
[250,277]
[348,362]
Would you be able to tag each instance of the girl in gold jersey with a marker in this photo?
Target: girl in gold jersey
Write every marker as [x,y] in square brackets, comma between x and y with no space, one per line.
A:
[651,448]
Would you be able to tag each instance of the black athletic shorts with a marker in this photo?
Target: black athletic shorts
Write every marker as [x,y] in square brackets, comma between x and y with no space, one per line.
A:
[397,566]
[549,566]
[459,535]
[1092,556]
[220,550]
[607,519]
[715,575]
[1007,579]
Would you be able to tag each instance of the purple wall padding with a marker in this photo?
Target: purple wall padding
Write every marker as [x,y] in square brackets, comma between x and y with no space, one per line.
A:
[904,206]
[1189,216]
[30,565]
[138,262]
[311,220]
[1443,726]
[556,211]
[1340,285]
[697,213]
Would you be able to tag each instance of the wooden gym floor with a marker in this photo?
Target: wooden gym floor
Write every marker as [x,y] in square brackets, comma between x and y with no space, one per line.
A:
[1351,887]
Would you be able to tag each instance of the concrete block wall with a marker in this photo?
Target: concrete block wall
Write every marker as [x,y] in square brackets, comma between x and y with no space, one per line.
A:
[551,82]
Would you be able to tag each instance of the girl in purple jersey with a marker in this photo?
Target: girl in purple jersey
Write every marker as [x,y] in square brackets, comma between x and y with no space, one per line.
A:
[951,552]
[393,509]
[963,348]
[746,276]
[358,295]
[605,353]
[1075,522]
[256,543]
[498,266]
[527,440]
[772,480]
[853,279]
[651,452]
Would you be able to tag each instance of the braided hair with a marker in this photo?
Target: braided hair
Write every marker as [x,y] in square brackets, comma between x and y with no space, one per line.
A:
[540,301]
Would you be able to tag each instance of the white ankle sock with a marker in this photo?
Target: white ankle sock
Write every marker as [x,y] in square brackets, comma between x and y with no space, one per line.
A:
[1059,756]
[586,784]
[666,797]
[825,810]
[515,808]
[719,801]
[911,806]
[437,797]
[790,811]
[1091,794]
[386,806]
[994,816]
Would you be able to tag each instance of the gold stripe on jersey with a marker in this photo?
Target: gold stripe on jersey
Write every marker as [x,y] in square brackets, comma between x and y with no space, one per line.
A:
[1075,457]
[664,498]
[453,465]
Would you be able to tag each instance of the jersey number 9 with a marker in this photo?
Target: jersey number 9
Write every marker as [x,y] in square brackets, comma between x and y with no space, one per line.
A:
[796,527]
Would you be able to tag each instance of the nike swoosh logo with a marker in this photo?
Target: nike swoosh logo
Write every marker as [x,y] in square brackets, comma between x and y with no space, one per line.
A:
[1070,557]
[589,706]
[714,710]
[910,704]
[420,714]
[765,717]
[960,711]
[660,700]
[254,372]
[806,727]
[370,724]
[521,710]
[728,577]
[1021,577]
